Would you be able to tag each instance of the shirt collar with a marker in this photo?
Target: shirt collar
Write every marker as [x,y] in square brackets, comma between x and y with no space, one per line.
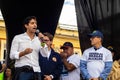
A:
[28,36]
[97,48]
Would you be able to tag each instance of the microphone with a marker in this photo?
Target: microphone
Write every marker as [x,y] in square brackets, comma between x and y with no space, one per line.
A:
[41,38]
[37,32]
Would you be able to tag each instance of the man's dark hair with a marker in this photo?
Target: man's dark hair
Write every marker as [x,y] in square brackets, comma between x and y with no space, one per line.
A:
[27,20]
[50,36]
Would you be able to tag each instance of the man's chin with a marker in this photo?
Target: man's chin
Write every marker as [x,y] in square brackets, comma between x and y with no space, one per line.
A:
[34,31]
[92,44]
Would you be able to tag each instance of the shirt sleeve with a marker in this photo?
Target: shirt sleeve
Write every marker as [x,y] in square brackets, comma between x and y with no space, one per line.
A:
[76,61]
[83,69]
[106,71]
[83,66]
[44,51]
[108,66]
[14,54]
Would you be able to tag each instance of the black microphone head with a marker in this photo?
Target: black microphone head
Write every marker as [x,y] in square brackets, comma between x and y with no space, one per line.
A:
[37,32]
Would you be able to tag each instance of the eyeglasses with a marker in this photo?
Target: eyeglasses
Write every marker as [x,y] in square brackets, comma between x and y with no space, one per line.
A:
[46,40]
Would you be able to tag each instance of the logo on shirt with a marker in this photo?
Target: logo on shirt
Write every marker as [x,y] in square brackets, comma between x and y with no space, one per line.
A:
[54,59]
[95,56]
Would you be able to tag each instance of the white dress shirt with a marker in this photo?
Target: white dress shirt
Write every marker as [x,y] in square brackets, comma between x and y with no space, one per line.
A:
[20,43]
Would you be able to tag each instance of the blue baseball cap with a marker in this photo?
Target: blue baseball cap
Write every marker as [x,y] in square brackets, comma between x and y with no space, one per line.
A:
[96,33]
[66,45]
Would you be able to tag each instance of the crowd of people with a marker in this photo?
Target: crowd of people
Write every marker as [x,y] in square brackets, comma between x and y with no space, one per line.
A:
[35,59]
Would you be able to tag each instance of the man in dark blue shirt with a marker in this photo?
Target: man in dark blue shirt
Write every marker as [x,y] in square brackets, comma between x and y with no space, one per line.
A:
[51,66]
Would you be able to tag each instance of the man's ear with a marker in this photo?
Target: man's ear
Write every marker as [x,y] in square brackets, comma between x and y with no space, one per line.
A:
[25,26]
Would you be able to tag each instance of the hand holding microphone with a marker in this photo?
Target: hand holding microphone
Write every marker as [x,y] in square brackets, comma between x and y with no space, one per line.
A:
[40,36]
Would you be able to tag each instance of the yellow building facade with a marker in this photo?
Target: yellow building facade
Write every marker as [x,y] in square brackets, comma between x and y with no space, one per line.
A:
[2,39]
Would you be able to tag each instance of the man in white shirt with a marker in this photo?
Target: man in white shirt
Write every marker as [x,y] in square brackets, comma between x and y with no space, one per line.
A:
[96,61]
[24,49]
[71,63]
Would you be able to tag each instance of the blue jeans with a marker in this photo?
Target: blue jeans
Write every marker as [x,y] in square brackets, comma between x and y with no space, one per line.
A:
[29,76]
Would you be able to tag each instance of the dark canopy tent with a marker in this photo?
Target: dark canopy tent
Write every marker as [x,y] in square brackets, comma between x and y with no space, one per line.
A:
[103,15]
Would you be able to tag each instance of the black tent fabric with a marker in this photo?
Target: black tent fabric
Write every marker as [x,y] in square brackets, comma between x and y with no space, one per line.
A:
[103,15]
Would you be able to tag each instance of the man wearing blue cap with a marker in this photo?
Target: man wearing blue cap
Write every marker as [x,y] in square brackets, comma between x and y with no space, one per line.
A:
[96,61]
